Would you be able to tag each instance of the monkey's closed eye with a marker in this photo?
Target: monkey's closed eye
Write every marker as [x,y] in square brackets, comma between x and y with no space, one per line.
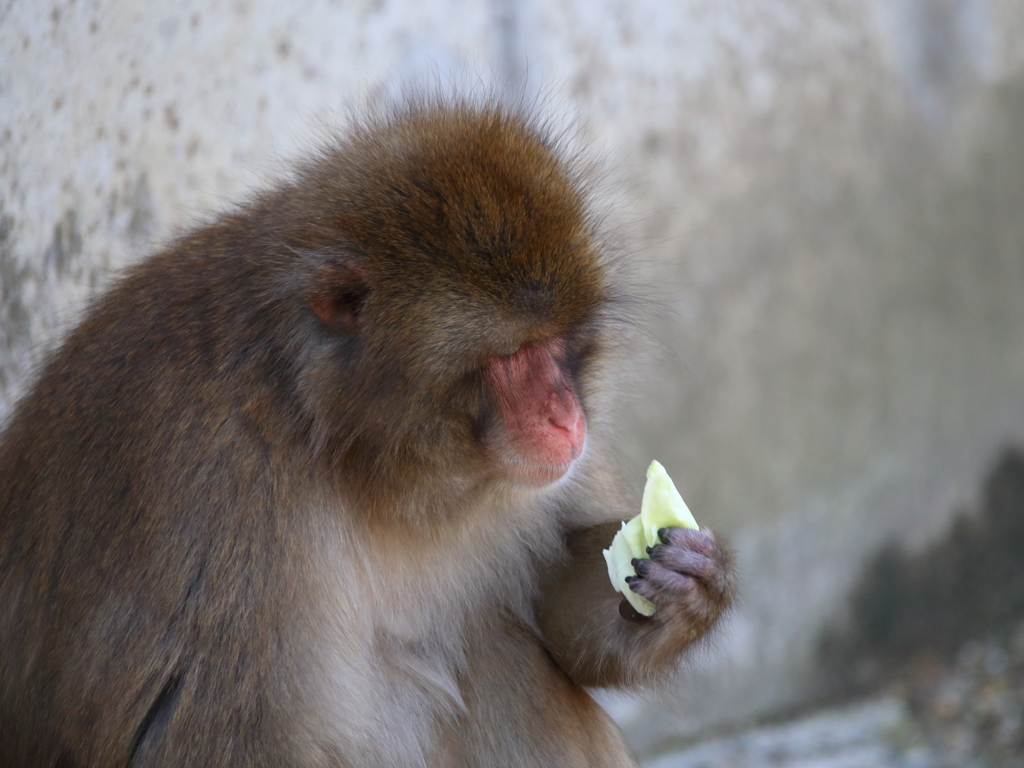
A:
[580,354]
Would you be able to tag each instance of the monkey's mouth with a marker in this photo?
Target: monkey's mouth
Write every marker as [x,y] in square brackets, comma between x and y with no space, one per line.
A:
[535,474]
[538,475]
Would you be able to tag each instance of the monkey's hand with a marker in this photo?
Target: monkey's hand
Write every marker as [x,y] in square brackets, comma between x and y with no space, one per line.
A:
[596,636]
[688,578]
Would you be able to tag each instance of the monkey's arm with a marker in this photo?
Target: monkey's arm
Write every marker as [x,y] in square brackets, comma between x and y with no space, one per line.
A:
[688,578]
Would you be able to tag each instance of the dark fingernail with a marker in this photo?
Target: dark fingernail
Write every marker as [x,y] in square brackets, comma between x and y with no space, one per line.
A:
[662,533]
[650,550]
[640,566]
[630,579]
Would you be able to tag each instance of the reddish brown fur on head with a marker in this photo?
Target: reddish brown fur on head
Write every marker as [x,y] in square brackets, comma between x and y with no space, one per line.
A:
[458,289]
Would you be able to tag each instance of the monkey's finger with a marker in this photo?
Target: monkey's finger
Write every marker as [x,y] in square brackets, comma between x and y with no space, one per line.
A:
[702,541]
[660,584]
[688,562]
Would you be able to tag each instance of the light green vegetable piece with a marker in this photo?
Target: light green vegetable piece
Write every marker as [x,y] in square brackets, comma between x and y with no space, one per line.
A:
[662,507]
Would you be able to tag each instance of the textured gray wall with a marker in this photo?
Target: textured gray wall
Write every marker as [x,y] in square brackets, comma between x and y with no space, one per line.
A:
[825,194]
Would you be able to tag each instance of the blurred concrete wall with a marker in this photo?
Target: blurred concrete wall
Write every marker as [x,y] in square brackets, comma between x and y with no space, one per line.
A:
[827,197]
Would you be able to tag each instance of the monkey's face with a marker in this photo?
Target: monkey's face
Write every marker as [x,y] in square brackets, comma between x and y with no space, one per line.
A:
[541,427]
[468,384]
[468,298]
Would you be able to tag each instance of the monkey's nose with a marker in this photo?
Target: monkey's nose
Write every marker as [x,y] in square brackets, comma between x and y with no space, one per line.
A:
[564,414]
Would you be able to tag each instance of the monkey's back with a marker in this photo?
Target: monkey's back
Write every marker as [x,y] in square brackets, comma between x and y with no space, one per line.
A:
[104,555]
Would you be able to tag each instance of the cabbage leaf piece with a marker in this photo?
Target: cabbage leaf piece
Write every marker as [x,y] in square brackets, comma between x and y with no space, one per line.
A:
[662,507]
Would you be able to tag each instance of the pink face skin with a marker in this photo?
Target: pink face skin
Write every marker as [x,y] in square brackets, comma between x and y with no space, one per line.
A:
[544,426]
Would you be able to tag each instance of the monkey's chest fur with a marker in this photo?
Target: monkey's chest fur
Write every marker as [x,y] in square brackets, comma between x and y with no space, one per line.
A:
[413,641]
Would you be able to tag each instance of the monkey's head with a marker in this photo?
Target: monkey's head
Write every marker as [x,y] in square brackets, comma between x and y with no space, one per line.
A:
[457,296]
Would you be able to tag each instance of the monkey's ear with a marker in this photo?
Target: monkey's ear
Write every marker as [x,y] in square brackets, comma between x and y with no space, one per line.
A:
[337,295]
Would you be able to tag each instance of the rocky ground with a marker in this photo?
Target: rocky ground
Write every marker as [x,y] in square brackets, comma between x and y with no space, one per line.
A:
[964,713]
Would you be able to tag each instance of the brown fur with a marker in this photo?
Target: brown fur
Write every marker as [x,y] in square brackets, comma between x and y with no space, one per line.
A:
[249,514]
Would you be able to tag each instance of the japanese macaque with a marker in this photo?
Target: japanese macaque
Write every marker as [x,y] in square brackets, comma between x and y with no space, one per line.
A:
[325,482]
